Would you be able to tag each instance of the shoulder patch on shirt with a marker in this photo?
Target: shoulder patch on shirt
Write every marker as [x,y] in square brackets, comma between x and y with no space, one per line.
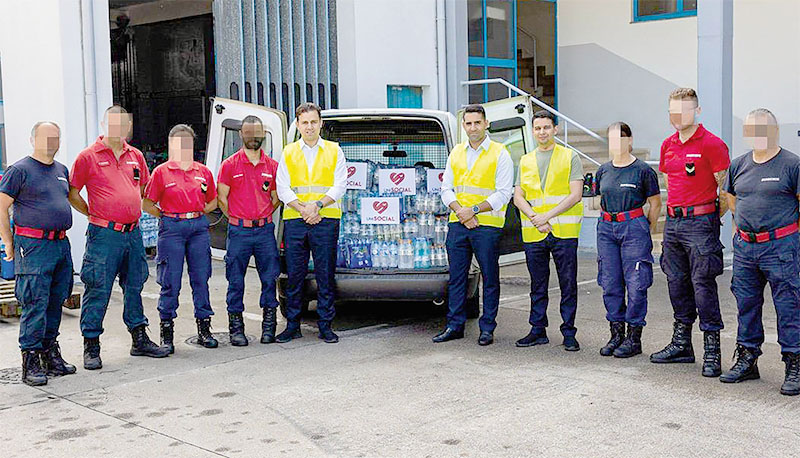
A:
[771,179]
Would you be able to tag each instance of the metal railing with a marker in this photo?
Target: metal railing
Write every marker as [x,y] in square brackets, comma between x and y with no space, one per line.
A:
[565,141]
[535,72]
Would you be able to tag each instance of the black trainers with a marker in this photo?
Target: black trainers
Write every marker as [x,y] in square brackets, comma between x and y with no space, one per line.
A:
[204,336]
[632,345]
[236,330]
[32,372]
[289,334]
[680,349]
[91,354]
[712,354]
[268,325]
[617,336]
[791,384]
[141,345]
[53,363]
[535,337]
[168,335]
[745,367]
[327,334]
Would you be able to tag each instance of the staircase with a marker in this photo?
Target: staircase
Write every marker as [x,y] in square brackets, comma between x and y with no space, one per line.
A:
[546,90]
[599,152]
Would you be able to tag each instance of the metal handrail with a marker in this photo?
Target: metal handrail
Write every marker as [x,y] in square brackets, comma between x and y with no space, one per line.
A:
[547,107]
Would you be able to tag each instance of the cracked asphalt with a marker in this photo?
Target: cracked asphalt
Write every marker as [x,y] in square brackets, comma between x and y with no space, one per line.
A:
[386,390]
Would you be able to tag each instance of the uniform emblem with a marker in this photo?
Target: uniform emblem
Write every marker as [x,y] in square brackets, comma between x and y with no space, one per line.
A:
[203,187]
[690,169]
[265,186]
[136,175]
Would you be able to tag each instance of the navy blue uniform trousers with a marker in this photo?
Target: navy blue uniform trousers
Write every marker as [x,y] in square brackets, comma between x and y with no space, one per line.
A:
[692,260]
[180,239]
[242,244]
[109,254]
[462,243]
[625,261]
[43,273]
[754,265]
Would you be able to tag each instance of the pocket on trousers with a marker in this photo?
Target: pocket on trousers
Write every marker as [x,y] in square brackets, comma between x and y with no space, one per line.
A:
[644,275]
[790,271]
[709,260]
[93,271]
[602,276]
[162,271]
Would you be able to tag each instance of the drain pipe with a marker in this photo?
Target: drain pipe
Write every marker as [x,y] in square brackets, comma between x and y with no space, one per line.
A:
[89,71]
[441,55]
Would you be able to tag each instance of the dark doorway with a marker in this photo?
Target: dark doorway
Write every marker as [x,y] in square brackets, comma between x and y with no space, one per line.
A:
[163,73]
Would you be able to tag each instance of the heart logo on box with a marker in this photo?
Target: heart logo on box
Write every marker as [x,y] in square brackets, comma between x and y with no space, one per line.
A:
[397,178]
[351,171]
[380,206]
[441,176]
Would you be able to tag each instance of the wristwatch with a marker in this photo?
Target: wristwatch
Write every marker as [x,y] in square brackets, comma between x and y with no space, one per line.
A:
[319,204]
[476,209]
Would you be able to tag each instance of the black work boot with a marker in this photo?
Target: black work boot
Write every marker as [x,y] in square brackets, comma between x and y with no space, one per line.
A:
[236,330]
[712,355]
[91,353]
[141,345]
[617,336]
[291,332]
[204,336]
[632,345]
[168,335]
[32,372]
[745,367]
[53,363]
[268,325]
[791,384]
[535,337]
[680,350]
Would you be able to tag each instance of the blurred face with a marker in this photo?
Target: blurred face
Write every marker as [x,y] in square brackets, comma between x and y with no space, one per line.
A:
[617,143]
[118,125]
[544,131]
[760,132]
[181,148]
[475,125]
[682,113]
[309,124]
[46,140]
[252,135]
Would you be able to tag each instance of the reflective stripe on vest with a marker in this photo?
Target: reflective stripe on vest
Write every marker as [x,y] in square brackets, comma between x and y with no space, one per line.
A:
[473,186]
[311,188]
[566,225]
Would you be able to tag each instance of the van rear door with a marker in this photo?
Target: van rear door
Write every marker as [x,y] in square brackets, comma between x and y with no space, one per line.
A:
[223,141]
[510,123]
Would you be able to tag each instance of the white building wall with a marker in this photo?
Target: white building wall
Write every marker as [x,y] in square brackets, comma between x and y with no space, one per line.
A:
[385,42]
[612,69]
[44,79]
[766,66]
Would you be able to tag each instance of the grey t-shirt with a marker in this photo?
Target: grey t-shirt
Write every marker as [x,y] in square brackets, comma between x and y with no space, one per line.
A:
[766,194]
[543,162]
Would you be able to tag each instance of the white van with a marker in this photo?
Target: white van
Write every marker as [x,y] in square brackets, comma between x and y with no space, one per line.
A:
[401,137]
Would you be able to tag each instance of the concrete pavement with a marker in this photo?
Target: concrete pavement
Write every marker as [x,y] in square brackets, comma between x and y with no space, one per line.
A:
[386,390]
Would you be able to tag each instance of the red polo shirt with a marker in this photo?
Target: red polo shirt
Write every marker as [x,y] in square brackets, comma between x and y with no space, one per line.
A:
[115,193]
[181,191]
[251,185]
[704,154]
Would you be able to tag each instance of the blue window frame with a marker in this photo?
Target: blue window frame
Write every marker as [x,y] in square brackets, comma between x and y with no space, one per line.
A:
[492,46]
[655,10]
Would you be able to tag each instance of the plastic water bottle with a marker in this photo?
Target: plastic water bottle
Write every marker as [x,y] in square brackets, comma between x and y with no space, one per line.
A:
[375,251]
[426,255]
[393,255]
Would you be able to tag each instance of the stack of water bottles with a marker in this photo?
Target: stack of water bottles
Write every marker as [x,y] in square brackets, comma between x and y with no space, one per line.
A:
[417,243]
[148,224]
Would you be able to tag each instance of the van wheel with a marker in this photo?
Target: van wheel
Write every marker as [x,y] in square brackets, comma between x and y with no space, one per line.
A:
[282,304]
[473,306]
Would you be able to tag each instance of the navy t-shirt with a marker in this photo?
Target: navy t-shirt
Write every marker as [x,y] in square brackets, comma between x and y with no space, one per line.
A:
[623,189]
[40,194]
[766,194]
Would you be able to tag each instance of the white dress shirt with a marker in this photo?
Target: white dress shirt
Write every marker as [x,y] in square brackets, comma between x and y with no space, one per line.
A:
[283,182]
[503,176]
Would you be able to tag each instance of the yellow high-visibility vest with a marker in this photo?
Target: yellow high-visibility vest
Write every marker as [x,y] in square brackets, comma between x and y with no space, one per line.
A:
[311,188]
[566,225]
[473,186]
